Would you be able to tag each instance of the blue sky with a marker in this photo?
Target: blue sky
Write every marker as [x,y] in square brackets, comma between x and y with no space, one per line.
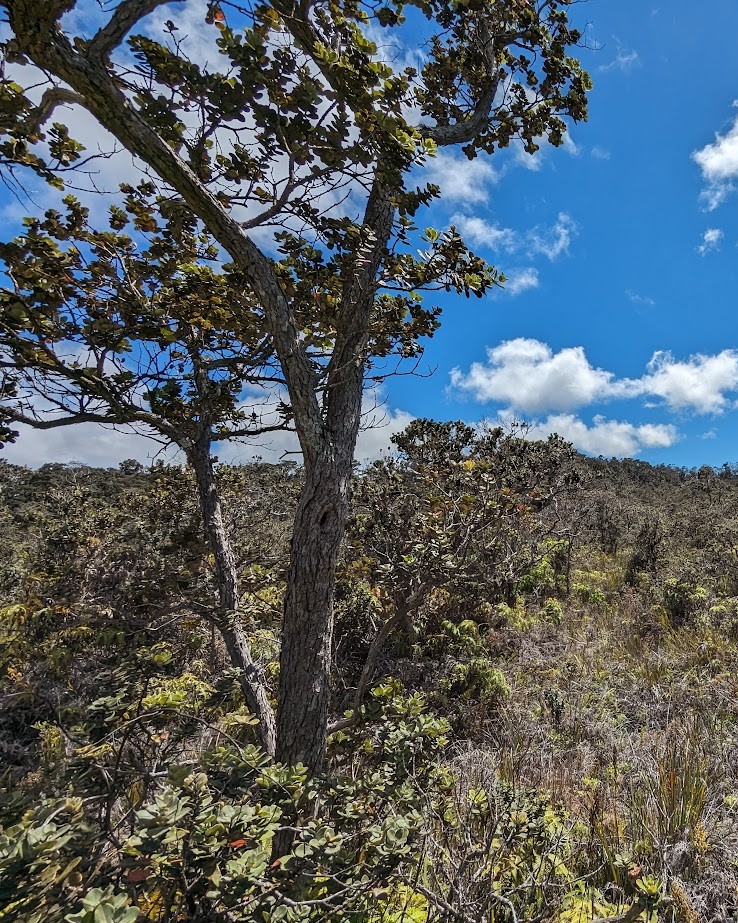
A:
[605,247]
[618,326]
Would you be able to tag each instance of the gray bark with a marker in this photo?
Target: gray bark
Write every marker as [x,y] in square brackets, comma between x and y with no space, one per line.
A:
[229,624]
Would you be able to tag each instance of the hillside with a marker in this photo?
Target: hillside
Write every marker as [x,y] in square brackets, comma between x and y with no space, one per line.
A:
[536,653]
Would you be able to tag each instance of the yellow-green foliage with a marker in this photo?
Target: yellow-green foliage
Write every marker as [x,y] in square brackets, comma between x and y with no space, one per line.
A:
[681,599]
[464,636]
[516,617]
[51,742]
[541,578]
[185,691]
[477,679]
[590,594]
[402,905]
[582,905]
[553,610]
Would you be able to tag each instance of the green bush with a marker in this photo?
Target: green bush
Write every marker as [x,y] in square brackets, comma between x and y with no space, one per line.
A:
[232,832]
[681,600]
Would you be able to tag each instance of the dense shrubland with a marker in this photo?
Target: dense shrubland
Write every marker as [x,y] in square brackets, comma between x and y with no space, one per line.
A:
[533,694]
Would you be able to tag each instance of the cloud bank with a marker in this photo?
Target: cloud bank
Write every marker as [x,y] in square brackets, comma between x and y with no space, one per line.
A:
[605,437]
[106,446]
[527,376]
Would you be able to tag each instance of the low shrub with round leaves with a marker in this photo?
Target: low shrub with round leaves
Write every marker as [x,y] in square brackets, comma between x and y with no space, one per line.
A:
[234,835]
[100,906]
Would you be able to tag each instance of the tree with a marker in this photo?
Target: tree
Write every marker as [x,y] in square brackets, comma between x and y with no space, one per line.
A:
[447,529]
[95,327]
[303,111]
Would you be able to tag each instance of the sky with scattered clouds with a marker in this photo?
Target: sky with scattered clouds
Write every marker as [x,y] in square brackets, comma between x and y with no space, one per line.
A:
[617,326]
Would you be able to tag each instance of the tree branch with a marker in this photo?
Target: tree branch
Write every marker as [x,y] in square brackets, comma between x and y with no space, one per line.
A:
[628,917]
[56,422]
[129,419]
[346,366]
[127,14]
[56,96]
[52,51]
[466,131]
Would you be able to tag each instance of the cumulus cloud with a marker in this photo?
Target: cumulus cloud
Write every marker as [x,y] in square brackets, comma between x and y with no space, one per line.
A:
[526,375]
[461,179]
[700,383]
[718,163]
[711,240]
[605,437]
[521,280]
[483,233]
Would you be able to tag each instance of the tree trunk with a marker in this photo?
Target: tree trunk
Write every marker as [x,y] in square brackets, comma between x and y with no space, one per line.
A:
[226,574]
[307,632]
[320,522]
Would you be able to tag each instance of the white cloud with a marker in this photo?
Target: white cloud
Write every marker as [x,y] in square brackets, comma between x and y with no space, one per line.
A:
[570,145]
[550,241]
[635,298]
[484,234]
[532,162]
[461,179]
[91,443]
[195,39]
[554,241]
[521,280]
[711,240]
[600,153]
[605,437]
[374,438]
[527,375]
[106,446]
[718,163]
[699,383]
[624,61]
[379,424]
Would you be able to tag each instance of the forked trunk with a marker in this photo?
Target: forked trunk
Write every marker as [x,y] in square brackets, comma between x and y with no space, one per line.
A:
[226,573]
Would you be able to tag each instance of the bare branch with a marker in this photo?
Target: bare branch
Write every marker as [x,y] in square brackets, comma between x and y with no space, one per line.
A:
[125,17]
[56,96]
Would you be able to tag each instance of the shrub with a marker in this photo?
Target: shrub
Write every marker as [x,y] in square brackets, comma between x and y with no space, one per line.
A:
[553,610]
[477,679]
[681,600]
